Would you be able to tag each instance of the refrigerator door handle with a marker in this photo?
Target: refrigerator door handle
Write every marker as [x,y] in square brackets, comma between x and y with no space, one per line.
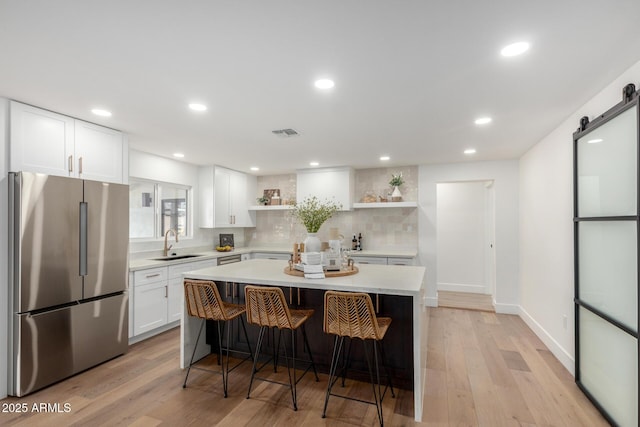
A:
[83,238]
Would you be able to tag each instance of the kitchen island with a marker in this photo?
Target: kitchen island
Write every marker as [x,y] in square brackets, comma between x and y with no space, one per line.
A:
[398,287]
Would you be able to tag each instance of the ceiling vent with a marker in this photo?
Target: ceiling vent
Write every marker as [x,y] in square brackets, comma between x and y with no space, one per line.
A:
[285,133]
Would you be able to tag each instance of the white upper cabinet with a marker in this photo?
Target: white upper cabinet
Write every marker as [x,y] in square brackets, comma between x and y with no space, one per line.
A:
[46,142]
[335,184]
[99,152]
[41,141]
[225,198]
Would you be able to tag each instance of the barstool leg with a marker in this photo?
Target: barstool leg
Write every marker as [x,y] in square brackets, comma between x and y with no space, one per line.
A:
[345,360]
[221,361]
[332,370]
[246,336]
[184,385]
[386,368]
[374,381]
[255,359]
[306,343]
[294,390]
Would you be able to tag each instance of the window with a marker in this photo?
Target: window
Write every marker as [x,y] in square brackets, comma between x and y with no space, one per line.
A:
[155,207]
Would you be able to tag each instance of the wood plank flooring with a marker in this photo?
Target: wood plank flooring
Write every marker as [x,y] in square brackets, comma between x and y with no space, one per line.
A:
[484,369]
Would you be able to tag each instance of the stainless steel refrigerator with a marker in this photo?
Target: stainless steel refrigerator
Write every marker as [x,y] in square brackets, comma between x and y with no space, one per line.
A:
[68,272]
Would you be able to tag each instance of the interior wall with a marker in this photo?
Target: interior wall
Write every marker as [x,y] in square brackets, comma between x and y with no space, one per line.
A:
[505,177]
[460,231]
[546,226]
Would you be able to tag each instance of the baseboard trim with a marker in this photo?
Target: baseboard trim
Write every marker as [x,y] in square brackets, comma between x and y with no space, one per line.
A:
[506,308]
[558,351]
[461,287]
[431,301]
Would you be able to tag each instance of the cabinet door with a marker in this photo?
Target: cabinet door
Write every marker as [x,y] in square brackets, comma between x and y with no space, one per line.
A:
[150,307]
[233,192]
[242,188]
[175,300]
[132,298]
[206,191]
[41,141]
[99,152]
[221,198]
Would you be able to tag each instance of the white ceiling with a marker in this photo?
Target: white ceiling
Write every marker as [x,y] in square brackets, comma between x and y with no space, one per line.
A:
[411,76]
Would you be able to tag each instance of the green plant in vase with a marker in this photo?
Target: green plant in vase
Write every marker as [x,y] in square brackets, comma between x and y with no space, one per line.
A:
[312,213]
[396,181]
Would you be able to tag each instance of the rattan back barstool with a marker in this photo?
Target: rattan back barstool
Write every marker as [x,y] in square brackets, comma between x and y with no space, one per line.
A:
[351,315]
[267,308]
[204,302]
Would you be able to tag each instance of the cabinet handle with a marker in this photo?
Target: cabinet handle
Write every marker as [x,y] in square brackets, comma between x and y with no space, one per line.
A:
[290,296]
[298,296]
[70,164]
[80,165]
[235,289]
[377,303]
[166,291]
[226,289]
[149,276]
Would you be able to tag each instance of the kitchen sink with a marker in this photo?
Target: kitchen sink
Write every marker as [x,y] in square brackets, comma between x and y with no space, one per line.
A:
[172,257]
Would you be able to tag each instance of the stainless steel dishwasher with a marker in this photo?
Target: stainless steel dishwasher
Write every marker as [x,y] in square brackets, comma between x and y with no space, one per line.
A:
[229,259]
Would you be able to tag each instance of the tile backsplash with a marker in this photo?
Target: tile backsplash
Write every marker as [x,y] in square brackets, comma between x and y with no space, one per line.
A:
[383,228]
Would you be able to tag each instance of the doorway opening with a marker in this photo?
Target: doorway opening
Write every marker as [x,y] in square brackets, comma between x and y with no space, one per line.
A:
[465,231]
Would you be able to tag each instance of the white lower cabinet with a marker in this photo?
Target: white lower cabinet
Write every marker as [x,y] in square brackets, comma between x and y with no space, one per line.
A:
[158,296]
[149,299]
[150,309]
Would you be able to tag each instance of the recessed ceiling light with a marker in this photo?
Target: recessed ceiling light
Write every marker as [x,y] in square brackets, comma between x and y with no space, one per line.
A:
[483,120]
[198,107]
[515,49]
[255,168]
[99,112]
[313,163]
[178,155]
[470,151]
[594,141]
[384,158]
[324,83]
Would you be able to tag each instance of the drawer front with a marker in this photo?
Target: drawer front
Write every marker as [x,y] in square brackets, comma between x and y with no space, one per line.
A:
[400,261]
[175,271]
[369,260]
[151,275]
[271,255]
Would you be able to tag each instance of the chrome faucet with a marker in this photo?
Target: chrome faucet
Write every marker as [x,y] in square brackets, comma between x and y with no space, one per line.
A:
[166,236]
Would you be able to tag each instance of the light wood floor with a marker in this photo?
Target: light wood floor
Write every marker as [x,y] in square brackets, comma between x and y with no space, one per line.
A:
[483,369]
[465,300]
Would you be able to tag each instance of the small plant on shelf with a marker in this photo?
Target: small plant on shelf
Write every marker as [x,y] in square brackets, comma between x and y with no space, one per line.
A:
[312,213]
[396,179]
[263,200]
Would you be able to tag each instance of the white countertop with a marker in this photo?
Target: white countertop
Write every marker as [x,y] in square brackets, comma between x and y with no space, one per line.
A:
[381,279]
[143,263]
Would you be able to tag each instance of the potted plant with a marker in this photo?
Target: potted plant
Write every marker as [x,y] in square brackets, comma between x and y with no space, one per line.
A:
[312,214]
[396,181]
[264,201]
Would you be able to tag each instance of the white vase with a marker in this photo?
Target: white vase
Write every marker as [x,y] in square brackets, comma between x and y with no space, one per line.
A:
[312,243]
[396,196]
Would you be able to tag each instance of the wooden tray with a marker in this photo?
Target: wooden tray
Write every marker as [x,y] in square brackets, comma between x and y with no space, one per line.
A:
[351,270]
